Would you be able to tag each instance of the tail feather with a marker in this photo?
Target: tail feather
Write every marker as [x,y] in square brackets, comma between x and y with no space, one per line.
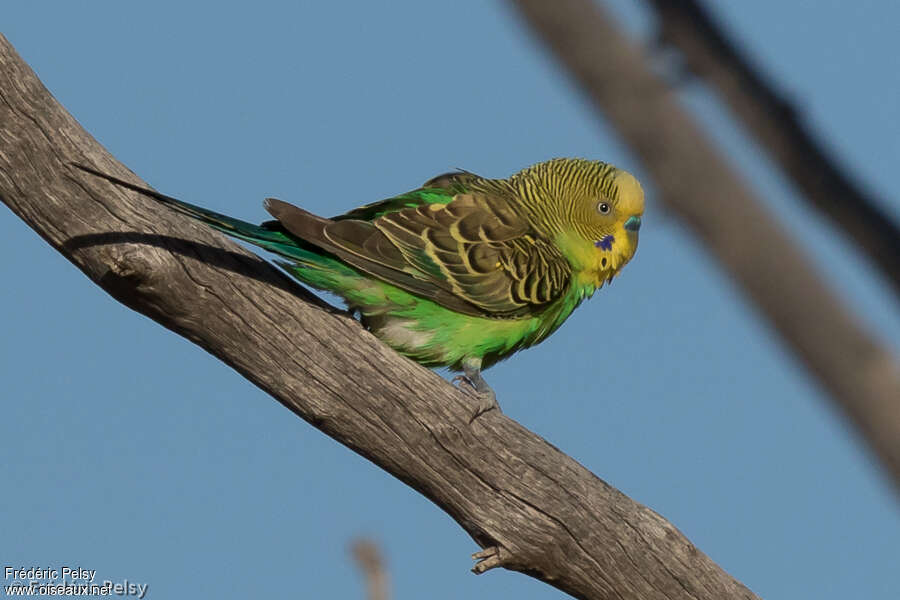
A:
[307,262]
[268,235]
[221,222]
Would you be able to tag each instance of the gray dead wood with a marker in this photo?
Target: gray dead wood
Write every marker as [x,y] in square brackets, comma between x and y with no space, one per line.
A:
[551,518]
[699,185]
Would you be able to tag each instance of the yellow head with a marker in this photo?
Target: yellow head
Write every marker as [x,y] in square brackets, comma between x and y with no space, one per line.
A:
[591,209]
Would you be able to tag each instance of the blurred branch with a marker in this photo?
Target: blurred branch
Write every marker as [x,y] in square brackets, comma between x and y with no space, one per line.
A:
[534,509]
[697,183]
[367,556]
[688,26]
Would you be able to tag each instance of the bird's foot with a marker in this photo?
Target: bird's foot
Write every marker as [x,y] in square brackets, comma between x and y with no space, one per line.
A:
[463,383]
[485,398]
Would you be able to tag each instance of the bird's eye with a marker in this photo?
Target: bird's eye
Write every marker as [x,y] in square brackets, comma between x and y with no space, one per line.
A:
[603,208]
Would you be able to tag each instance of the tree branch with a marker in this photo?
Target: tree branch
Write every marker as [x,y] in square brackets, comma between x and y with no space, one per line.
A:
[371,564]
[686,25]
[550,517]
[701,187]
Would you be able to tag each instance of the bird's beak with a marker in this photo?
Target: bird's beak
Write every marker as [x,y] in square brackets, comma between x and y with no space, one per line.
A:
[633,224]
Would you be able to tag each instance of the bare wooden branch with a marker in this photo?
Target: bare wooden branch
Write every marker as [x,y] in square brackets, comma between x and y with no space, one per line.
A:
[777,126]
[508,488]
[370,562]
[696,182]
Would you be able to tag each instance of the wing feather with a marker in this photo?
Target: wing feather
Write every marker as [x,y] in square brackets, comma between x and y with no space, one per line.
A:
[474,254]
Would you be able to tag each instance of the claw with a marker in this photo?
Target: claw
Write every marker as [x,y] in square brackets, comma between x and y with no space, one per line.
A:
[463,383]
[474,384]
[486,401]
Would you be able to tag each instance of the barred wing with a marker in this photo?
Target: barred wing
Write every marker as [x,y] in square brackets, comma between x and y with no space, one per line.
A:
[475,255]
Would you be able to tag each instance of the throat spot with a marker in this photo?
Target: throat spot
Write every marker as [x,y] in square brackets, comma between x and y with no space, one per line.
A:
[606,243]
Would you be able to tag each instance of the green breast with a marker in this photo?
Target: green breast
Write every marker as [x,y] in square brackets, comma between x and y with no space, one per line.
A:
[435,336]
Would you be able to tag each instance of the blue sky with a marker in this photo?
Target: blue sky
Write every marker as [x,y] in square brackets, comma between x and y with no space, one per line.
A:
[130,451]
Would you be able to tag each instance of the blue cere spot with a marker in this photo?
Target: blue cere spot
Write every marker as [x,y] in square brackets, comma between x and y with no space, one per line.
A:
[606,243]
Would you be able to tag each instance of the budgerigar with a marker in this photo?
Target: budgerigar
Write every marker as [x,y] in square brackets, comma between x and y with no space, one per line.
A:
[463,271]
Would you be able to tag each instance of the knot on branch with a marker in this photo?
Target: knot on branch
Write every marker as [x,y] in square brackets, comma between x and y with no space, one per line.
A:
[127,269]
[491,558]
